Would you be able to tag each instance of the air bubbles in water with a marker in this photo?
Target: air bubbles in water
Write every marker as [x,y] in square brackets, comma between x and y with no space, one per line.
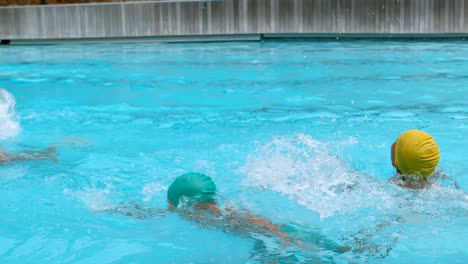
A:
[9,126]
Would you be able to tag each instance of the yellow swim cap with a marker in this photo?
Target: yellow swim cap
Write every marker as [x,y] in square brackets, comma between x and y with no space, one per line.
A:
[416,152]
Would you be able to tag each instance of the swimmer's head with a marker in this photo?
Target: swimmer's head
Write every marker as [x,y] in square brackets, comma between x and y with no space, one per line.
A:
[196,186]
[415,152]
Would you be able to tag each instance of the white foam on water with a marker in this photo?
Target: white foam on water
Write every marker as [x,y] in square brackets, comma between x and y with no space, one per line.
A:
[9,126]
[305,170]
[152,190]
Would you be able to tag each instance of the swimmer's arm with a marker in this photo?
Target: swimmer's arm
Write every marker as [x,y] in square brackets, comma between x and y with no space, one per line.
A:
[3,158]
[260,222]
[268,225]
[26,155]
[136,211]
[46,154]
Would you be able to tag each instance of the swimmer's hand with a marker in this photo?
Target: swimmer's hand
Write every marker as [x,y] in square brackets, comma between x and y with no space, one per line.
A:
[135,211]
[445,178]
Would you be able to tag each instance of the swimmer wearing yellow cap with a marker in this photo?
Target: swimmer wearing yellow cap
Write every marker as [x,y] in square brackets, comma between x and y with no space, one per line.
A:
[415,155]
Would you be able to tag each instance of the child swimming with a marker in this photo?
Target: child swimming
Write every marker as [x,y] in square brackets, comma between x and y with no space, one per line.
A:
[197,191]
[415,156]
[194,197]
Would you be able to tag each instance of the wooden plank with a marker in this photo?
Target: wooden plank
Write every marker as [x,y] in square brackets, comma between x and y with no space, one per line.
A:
[431,15]
[367,18]
[325,16]
[416,16]
[383,18]
[315,15]
[348,24]
[461,20]
[274,13]
[396,21]
[450,14]
[307,16]
[328,16]
[4,32]
[446,16]
[251,17]
[407,21]
[437,22]
[456,16]
[414,12]
[236,19]
[228,19]
[424,21]
[333,16]
[387,16]
[374,14]
[187,21]
[209,18]
[217,17]
[393,4]
[377,16]
[465,14]
[362,16]
[427,25]
[402,16]
[352,28]
[260,6]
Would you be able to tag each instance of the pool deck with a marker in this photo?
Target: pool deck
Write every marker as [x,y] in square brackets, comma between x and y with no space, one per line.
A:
[225,20]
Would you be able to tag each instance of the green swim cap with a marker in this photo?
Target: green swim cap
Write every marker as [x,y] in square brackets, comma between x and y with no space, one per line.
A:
[191,185]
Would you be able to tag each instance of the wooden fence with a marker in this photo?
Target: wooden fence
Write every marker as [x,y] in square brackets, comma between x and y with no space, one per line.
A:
[236,18]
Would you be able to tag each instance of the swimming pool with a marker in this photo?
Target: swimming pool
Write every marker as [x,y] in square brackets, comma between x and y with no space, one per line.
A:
[298,132]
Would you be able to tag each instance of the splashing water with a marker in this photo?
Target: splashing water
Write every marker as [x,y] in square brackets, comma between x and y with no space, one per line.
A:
[304,169]
[9,127]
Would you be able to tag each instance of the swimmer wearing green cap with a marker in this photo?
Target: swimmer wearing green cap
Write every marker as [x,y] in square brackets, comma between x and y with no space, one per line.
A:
[194,197]
[197,191]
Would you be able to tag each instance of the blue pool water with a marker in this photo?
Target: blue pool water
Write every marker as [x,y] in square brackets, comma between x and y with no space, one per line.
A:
[298,132]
